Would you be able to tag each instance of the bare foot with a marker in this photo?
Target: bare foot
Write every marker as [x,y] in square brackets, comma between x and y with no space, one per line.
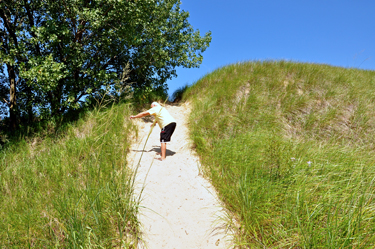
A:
[160,159]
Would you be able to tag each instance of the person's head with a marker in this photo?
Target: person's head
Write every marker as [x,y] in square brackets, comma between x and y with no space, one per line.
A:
[153,104]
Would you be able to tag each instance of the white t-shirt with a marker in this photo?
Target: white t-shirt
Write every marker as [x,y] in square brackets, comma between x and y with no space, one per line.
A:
[162,116]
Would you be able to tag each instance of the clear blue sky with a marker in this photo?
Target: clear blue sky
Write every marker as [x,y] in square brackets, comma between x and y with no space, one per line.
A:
[334,32]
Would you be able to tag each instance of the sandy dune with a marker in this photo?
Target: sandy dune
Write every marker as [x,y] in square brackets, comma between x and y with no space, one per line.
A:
[179,207]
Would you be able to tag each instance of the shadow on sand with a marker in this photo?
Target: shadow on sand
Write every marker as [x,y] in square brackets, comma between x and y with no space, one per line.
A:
[157,150]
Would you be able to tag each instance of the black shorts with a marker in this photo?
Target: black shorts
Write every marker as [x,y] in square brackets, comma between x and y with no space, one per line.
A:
[166,133]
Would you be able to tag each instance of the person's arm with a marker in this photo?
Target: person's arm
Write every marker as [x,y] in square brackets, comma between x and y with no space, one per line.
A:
[140,115]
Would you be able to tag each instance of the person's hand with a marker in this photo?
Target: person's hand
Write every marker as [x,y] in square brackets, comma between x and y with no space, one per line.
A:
[153,124]
[132,117]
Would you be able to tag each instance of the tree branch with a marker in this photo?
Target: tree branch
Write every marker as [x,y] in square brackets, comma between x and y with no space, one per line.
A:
[70,13]
[78,36]
[8,25]
[6,101]
[31,22]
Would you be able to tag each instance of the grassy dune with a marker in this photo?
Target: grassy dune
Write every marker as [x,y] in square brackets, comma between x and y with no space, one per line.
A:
[71,191]
[290,148]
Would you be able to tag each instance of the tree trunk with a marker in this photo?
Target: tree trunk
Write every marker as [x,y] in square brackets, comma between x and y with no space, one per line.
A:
[12,98]
[29,105]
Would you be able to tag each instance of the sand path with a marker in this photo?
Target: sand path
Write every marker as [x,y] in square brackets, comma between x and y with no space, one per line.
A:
[180,208]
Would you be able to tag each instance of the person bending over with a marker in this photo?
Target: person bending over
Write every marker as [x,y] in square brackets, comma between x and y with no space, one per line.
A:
[166,123]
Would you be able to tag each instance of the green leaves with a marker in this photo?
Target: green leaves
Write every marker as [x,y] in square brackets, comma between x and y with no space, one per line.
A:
[67,51]
[43,72]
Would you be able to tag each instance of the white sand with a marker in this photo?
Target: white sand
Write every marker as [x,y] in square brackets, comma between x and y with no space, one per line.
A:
[180,208]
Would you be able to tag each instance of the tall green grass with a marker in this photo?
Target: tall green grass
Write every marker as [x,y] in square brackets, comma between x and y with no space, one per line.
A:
[71,191]
[290,149]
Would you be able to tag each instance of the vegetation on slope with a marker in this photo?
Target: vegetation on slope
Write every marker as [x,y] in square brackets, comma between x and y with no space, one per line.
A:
[71,191]
[290,149]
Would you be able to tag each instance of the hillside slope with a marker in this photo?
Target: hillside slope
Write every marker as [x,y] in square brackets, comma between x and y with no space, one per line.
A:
[290,148]
[73,190]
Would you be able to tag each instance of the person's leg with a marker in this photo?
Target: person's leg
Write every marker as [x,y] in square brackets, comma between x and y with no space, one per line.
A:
[163,149]
[165,137]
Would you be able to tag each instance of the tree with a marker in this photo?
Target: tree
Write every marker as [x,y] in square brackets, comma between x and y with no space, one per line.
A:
[62,52]
[10,27]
